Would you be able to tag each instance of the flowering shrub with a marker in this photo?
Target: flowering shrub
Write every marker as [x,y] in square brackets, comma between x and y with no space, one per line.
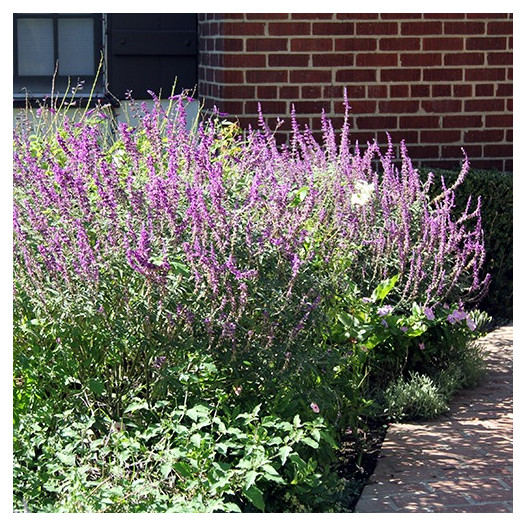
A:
[496,190]
[208,266]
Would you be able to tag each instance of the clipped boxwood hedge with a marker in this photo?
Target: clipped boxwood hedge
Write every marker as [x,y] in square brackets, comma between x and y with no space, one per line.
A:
[496,191]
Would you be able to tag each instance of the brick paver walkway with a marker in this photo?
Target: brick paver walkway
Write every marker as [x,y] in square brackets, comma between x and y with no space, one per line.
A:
[460,463]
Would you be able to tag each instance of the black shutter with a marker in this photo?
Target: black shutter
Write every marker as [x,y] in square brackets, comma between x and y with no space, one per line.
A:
[150,51]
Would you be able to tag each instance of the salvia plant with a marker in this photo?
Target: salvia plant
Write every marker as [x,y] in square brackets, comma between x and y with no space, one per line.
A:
[208,264]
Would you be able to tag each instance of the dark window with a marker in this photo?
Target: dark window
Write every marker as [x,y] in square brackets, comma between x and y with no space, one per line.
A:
[151,51]
[142,52]
[55,49]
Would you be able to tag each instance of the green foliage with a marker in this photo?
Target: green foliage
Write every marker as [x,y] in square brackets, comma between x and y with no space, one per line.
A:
[465,371]
[188,459]
[201,451]
[418,397]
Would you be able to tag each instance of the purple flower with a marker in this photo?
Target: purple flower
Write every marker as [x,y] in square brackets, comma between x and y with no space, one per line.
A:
[459,315]
[456,316]
[421,346]
[158,362]
[214,228]
[472,325]
[315,407]
[429,314]
[385,310]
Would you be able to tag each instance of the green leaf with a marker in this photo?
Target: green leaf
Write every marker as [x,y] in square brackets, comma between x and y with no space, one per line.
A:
[271,474]
[300,468]
[221,448]
[255,496]
[180,429]
[135,406]
[250,479]
[383,289]
[236,432]
[346,320]
[175,452]
[116,491]
[51,487]
[209,367]
[298,461]
[310,442]
[197,411]
[329,439]
[417,331]
[340,337]
[284,453]
[316,434]
[67,459]
[299,196]
[157,261]
[416,310]
[96,386]
[375,339]
[220,425]
[268,468]
[202,423]
[196,439]
[249,417]
[244,463]
[182,468]
[166,469]
[179,269]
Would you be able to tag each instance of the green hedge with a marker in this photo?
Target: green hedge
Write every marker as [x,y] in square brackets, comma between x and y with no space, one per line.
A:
[496,190]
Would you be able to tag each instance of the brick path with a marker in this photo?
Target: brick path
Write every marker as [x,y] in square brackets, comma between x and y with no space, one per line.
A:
[460,463]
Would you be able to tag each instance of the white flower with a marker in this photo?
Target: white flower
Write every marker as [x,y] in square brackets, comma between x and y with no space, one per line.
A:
[363,193]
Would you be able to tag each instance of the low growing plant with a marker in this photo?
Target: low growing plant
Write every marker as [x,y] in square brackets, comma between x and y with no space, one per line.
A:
[188,459]
[418,397]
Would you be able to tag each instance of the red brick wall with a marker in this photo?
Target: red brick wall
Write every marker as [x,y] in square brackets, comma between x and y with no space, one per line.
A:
[439,81]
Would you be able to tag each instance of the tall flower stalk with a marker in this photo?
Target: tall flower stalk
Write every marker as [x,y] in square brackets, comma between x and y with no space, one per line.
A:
[180,243]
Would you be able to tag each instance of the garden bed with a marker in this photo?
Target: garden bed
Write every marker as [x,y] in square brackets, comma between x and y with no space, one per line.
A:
[358,458]
[205,321]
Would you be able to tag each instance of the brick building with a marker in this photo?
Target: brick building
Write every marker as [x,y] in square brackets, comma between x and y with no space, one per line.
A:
[439,81]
